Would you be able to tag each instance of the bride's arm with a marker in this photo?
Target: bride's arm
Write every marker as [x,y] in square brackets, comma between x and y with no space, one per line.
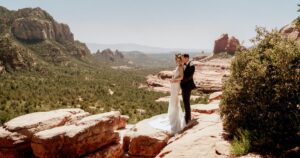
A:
[180,75]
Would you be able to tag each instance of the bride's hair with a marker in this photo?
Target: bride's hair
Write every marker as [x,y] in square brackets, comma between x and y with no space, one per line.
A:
[178,56]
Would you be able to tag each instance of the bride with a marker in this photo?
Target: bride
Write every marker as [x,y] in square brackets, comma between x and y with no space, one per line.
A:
[175,113]
[174,121]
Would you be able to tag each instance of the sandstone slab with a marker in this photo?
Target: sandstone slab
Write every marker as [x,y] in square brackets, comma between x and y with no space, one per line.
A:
[198,141]
[215,96]
[86,136]
[144,140]
[206,108]
[34,122]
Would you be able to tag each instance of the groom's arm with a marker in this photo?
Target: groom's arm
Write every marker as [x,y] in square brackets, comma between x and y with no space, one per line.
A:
[185,79]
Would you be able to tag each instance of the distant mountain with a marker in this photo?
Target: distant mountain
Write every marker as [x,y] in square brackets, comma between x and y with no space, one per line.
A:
[129,47]
[109,56]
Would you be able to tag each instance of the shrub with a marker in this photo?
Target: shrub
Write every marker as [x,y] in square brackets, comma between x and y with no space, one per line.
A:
[262,94]
[241,143]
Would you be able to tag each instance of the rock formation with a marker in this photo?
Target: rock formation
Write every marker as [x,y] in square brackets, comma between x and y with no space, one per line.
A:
[63,133]
[221,44]
[226,44]
[76,133]
[144,140]
[108,55]
[209,76]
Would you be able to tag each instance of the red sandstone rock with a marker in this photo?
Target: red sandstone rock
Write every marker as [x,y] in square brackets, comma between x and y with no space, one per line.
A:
[144,140]
[291,31]
[221,44]
[13,145]
[34,122]
[123,121]
[110,151]
[198,141]
[15,136]
[226,44]
[86,136]
[233,45]
[206,108]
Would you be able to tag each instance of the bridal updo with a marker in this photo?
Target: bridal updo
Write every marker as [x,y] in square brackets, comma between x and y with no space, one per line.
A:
[178,56]
[178,59]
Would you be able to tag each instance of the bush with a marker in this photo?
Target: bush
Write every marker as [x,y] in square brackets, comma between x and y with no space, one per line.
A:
[241,143]
[262,95]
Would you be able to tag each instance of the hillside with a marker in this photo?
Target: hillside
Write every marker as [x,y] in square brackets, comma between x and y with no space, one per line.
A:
[42,68]
[33,34]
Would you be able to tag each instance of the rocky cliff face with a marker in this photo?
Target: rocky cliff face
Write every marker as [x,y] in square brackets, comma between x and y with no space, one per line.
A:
[34,30]
[37,25]
[226,44]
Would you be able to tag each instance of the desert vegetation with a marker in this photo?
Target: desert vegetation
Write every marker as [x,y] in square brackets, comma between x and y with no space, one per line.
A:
[261,98]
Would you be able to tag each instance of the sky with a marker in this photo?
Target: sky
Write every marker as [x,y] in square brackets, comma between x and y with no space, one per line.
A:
[189,24]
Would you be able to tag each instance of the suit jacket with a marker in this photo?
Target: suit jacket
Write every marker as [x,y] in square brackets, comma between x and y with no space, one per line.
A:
[188,82]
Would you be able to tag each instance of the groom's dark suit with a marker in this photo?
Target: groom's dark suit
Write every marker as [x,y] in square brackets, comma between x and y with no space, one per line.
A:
[187,85]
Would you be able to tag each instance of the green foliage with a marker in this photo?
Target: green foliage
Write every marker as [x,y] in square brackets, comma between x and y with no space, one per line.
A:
[262,94]
[203,99]
[241,143]
[12,56]
[81,86]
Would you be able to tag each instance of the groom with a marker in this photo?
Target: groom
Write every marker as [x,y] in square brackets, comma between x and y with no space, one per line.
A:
[187,85]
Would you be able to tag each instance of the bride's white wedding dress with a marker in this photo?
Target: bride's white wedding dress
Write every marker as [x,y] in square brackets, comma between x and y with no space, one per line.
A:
[174,121]
[175,114]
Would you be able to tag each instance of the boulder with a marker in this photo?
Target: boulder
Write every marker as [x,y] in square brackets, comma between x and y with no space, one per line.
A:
[145,141]
[85,136]
[15,136]
[221,44]
[32,123]
[198,141]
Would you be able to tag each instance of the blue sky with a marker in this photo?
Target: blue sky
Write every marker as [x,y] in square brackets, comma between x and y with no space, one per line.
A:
[164,23]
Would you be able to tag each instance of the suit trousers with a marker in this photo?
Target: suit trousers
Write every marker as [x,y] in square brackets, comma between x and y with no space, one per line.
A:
[186,95]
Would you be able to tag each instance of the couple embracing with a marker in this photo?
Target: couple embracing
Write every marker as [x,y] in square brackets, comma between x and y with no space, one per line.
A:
[182,79]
